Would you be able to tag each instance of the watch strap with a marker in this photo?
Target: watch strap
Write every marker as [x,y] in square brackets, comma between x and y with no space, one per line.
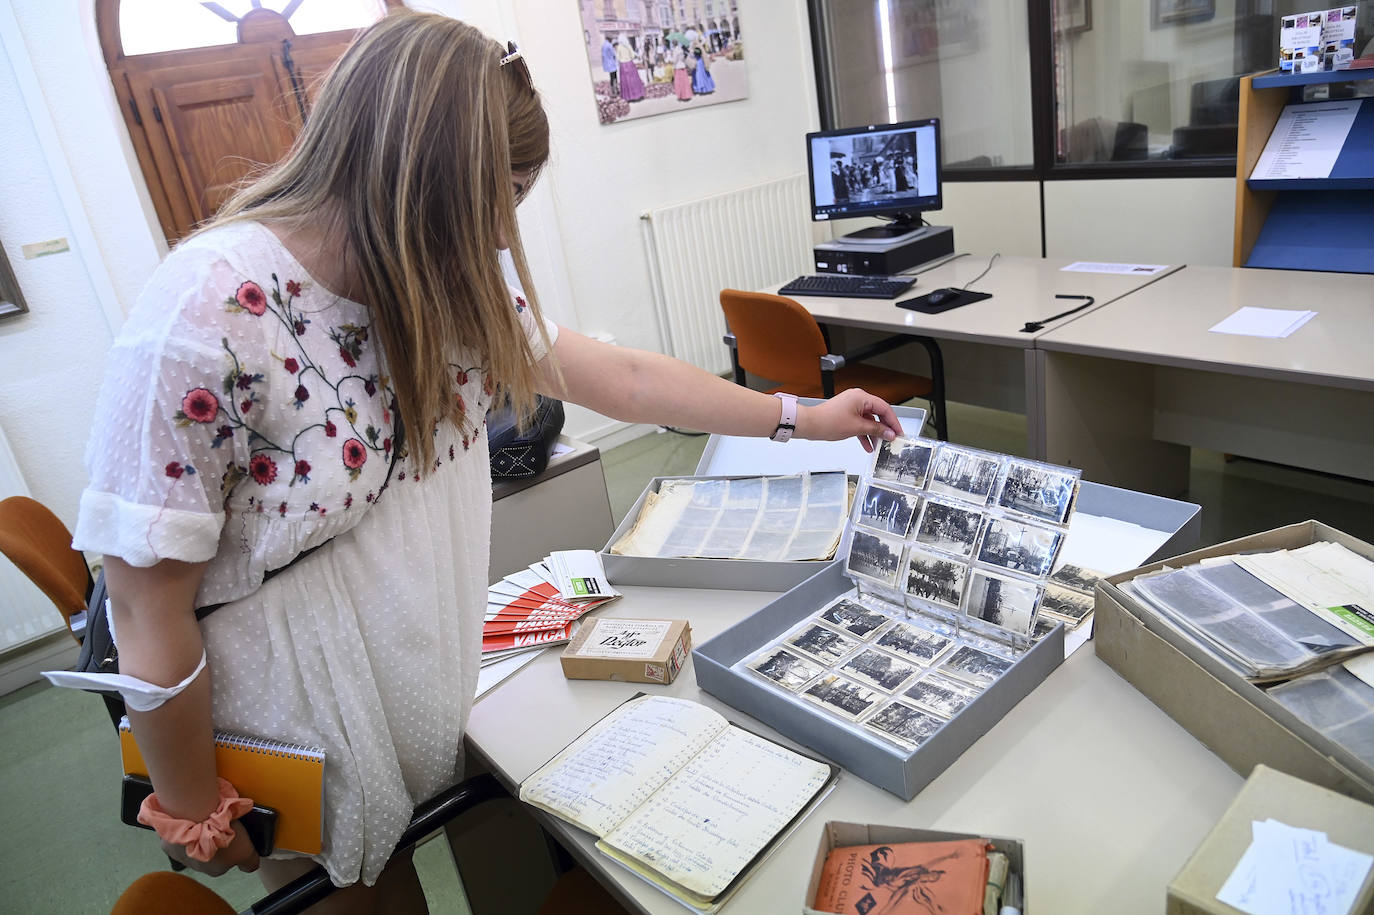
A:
[787,423]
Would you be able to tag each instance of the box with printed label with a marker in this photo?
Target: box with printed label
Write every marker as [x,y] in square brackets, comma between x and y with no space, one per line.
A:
[632,651]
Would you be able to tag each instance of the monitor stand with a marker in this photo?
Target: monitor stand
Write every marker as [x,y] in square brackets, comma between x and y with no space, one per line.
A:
[890,234]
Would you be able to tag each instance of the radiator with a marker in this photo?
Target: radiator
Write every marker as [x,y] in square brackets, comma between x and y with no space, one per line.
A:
[745,239]
[25,612]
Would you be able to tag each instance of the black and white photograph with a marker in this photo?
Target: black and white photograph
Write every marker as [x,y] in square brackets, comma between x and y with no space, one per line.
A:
[784,493]
[1044,625]
[844,697]
[746,492]
[941,695]
[880,669]
[875,556]
[949,528]
[823,644]
[788,670]
[905,724]
[903,460]
[935,578]
[974,665]
[1025,548]
[918,645]
[964,474]
[854,618]
[887,509]
[1070,605]
[1038,490]
[1075,577]
[1002,602]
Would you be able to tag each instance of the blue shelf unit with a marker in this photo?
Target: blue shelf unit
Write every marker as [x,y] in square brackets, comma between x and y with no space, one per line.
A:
[1321,223]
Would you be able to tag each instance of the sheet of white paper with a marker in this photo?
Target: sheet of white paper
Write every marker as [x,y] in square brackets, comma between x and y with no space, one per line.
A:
[1362,667]
[1262,322]
[1091,267]
[492,674]
[1109,545]
[559,449]
[1291,871]
[1307,140]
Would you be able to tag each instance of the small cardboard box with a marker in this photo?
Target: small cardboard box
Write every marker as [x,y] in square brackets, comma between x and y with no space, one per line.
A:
[840,835]
[1269,793]
[1232,717]
[632,651]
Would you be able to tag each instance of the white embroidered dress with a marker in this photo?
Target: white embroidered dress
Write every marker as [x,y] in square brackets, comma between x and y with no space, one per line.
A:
[245,417]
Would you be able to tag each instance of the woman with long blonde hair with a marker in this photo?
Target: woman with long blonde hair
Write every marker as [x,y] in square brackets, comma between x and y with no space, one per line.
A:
[254,409]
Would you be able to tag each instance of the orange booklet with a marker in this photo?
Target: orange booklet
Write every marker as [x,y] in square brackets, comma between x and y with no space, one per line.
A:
[909,877]
[285,777]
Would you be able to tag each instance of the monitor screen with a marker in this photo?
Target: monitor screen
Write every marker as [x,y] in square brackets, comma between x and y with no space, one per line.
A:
[878,170]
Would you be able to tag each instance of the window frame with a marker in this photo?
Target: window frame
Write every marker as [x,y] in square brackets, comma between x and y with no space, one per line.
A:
[1040,26]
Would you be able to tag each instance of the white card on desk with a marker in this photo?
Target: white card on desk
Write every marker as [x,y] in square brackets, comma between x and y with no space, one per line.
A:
[1262,322]
[1287,870]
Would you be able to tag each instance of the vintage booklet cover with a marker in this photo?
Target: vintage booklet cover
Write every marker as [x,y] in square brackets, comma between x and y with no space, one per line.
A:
[679,795]
[905,878]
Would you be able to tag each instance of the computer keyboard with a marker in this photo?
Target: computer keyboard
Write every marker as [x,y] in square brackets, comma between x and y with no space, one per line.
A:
[849,285]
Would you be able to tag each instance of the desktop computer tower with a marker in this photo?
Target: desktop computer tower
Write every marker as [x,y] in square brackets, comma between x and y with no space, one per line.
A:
[876,257]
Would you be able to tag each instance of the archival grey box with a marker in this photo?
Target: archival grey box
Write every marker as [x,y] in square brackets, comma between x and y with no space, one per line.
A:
[1181,520]
[727,574]
[902,772]
[843,835]
[1235,719]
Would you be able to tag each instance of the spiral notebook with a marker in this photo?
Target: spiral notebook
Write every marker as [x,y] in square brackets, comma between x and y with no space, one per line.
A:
[285,777]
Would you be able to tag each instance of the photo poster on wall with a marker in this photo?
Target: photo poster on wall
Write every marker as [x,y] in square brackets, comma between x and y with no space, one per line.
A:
[656,58]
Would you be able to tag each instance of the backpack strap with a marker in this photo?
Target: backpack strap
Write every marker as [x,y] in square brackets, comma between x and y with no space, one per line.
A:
[397,438]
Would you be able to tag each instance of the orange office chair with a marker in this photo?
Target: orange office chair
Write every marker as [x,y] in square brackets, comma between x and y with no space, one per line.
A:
[39,543]
[166,893]
[776,338]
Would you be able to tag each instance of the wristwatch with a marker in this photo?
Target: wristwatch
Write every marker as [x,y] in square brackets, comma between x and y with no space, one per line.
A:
[787,424]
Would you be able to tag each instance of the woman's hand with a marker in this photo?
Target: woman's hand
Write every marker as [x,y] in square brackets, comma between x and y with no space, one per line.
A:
[850,412]
[238,853]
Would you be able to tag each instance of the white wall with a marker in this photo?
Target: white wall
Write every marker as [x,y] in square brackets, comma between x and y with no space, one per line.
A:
[70,172]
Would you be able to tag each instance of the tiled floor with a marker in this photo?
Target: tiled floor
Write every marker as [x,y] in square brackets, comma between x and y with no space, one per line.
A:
[63,849]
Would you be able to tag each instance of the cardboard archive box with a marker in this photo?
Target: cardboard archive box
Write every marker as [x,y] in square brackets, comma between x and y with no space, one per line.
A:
[1293,802]
[902,772]
[841,835]
[631,651]
[1231,716]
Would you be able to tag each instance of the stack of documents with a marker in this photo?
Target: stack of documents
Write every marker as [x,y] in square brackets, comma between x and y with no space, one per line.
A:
[579,575]
[1262,322]
[525,611]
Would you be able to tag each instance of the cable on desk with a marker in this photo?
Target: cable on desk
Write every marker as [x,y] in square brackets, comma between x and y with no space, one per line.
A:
[1032,326]
[676,431]
[996,254]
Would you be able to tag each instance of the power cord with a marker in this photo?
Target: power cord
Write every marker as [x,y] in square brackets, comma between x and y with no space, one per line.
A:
[1032,326]
[994,257]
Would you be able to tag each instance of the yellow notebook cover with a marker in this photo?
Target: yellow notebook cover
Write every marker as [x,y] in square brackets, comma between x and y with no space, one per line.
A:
[285,777]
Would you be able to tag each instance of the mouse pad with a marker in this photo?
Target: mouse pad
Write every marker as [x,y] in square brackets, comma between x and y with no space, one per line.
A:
[922,303]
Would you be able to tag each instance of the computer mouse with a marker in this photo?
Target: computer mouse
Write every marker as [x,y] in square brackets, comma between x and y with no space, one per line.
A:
[940,296]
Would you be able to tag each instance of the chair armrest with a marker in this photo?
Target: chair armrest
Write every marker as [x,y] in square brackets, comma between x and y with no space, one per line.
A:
[730,341]
[831,362]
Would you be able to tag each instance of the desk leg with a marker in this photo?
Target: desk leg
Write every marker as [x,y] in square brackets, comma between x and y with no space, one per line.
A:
[1098,414]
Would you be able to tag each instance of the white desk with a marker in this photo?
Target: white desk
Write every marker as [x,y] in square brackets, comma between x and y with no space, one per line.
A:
[1108,793]
[987,357]
[1128,387]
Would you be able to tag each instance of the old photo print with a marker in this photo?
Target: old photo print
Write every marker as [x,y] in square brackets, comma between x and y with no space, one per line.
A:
[921,646]
[1076,577]
[1026,548]
[1038,490]
[843,697]
[880,669]
[1002,601]
[967,475]
[941,695]
[949,528]
[854,618]
[1070,605]
[819,642]
[904,461]
[904,724]
[788,670]
[875,556]
[938,579]
[975,665]
[888,510]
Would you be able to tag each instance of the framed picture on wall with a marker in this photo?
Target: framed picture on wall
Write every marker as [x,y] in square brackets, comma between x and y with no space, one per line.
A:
[1075,16]
[11,298]
[924,31]
[1179,12]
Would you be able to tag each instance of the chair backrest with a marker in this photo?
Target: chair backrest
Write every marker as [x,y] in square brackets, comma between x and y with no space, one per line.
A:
[777,338]
[39,543]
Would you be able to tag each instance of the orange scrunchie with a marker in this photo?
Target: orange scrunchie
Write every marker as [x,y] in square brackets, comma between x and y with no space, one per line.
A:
[202,840]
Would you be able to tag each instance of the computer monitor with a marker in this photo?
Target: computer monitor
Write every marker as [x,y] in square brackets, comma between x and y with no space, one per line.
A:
[879,170]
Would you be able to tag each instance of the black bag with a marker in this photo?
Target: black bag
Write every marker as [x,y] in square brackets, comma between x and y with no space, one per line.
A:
[516,454]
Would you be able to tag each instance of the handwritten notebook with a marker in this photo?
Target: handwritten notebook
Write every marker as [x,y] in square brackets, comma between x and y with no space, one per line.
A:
[679,795]
[285,777]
